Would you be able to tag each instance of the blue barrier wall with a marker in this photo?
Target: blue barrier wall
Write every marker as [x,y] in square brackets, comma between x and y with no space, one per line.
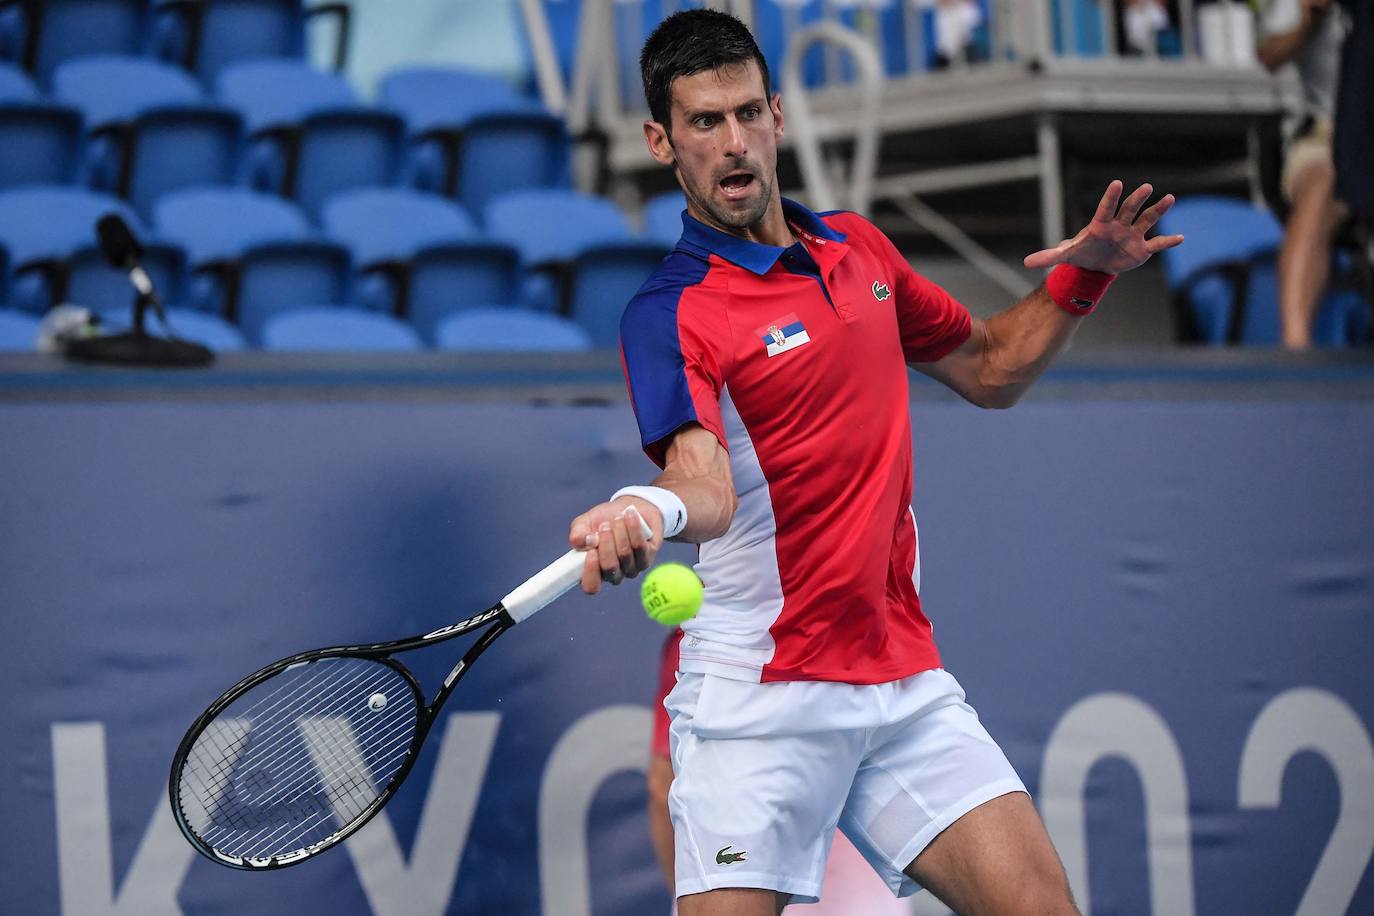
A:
[1163,610]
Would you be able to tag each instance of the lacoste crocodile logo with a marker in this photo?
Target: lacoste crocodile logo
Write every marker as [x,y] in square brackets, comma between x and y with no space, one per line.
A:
[725,858]
[880,291]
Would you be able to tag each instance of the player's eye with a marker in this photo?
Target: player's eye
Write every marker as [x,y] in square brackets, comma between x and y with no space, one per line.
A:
[705,122]
[749,114]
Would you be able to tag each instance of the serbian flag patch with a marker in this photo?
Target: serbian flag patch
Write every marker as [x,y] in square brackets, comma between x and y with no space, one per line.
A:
[786,333]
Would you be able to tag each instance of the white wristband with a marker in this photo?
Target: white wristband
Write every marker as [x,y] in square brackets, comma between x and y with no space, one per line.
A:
[673,509]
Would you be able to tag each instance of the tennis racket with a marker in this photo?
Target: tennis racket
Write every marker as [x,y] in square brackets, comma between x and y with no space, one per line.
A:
[294,758]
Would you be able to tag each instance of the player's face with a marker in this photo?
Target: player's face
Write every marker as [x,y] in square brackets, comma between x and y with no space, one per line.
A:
[724,144]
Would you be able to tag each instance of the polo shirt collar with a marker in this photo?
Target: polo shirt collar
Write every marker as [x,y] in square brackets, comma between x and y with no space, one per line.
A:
[754,256]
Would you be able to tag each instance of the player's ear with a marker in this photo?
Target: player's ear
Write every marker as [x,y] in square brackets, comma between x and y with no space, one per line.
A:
[659,143]
[775,103]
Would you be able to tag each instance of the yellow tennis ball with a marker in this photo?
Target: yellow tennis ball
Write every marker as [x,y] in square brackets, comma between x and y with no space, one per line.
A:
[671,594]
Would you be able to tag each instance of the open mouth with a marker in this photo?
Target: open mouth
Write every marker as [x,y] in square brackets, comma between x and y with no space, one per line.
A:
[736,184]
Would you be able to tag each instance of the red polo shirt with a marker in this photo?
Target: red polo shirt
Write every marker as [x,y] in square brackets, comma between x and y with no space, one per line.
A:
[796,359]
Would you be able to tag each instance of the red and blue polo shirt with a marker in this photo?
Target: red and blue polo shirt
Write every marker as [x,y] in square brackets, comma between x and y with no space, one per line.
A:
[796,359]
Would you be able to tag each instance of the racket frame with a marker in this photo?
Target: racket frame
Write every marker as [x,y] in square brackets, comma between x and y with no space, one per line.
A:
[496,619]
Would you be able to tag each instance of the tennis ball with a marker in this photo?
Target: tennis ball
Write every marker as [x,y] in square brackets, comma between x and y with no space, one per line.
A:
[671,594]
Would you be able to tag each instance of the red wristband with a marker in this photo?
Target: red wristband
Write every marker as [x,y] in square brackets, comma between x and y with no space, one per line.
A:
[1077,290]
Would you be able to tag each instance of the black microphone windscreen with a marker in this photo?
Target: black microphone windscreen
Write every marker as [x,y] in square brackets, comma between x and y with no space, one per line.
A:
[117,241]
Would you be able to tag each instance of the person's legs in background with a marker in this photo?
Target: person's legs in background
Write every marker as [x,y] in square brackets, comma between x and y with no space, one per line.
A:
[1305,256]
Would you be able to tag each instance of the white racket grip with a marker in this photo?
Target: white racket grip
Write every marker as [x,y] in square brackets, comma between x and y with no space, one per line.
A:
[550,582]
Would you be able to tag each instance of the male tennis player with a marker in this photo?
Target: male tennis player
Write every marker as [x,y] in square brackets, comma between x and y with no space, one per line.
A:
[766,361]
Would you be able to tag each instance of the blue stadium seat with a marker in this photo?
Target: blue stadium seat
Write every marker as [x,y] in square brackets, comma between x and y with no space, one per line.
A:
[15,85]
[551,229]
[604,279]
[473,137]
[509,330]
[310,137]
[209,35]
[507,151]
[18,330]
[253,255]
[51,32]
[420,255]
[1225,235]
[152,128]
[1225,279]
[215,224]
[554,225]
[432,98]
[663,217]
[391,224]
[91,281]
[42,228]
[184,324]
[282,276]
[1342,317]
[338,330]
[42,144]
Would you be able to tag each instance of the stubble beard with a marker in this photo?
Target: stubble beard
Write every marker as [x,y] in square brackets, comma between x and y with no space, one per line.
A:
[734,218]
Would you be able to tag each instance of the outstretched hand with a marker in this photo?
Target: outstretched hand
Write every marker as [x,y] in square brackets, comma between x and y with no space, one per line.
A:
[1114,241]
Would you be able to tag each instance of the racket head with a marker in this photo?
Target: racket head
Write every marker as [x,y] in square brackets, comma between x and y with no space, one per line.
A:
[295,758]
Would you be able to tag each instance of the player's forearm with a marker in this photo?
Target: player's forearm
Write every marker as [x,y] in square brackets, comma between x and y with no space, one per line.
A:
[1019,344]
[710,503]
[696,470]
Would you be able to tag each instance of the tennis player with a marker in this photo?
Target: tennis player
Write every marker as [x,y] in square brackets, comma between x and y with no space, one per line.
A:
[767,365]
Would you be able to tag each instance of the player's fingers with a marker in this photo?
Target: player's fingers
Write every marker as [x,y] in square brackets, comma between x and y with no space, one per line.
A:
[624,550]
[591,566]
[1130,208]
[1151,216]
[607,557]
[1163,243]
[642,547]
[1106,207]
[1047,257]
[578,532]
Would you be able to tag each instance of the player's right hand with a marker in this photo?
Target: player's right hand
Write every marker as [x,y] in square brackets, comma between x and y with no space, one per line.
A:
[614,540]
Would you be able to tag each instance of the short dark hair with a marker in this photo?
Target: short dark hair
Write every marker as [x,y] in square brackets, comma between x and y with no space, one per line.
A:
[689,42]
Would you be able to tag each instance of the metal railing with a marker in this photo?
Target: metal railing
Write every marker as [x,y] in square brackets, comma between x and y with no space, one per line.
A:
[1018,31]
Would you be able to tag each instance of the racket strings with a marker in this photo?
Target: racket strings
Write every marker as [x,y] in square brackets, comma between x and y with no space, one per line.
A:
[331,757]
[278,724]
[298,757]
[272,722]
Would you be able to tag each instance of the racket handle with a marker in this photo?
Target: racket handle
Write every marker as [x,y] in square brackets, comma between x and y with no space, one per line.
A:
[550,582]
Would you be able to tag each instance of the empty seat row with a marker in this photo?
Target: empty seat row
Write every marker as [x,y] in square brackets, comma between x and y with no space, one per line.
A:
[140,129]
[331,329]
[246,256]
[203,36]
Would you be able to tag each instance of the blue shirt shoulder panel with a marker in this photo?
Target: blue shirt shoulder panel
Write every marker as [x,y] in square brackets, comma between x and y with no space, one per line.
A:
[655,368]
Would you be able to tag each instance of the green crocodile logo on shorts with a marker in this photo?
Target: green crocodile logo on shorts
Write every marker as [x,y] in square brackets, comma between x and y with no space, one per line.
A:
[725,858]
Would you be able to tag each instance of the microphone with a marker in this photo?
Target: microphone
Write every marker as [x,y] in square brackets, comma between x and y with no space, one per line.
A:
[123,251]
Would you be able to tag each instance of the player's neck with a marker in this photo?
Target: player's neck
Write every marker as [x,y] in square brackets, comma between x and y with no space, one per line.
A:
[771,229]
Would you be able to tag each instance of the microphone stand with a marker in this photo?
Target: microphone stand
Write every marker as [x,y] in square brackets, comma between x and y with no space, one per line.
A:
[139,348]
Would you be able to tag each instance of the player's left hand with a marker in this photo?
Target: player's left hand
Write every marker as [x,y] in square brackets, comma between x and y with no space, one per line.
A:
[1114,242]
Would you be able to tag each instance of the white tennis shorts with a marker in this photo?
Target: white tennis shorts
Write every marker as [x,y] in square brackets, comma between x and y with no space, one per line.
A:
[765,773]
